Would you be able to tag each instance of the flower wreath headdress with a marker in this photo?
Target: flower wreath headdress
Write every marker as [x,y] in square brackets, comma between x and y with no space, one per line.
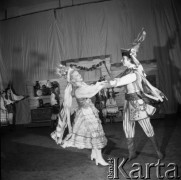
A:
[62,70]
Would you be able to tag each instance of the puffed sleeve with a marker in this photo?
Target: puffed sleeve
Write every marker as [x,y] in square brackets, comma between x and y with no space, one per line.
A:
[127,79]
[88,91]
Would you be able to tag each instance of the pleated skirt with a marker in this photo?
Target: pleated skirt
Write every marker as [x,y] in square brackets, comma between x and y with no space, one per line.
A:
[87,131]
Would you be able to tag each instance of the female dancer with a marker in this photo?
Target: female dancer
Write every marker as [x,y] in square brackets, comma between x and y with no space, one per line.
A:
[86,131]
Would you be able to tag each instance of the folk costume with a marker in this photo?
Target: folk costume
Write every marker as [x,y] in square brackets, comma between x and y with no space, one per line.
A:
[137,107]
[87,131]
[137,98]
[8,100]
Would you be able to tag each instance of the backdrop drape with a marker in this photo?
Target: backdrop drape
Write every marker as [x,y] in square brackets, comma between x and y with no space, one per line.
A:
[32,45]
[27,54]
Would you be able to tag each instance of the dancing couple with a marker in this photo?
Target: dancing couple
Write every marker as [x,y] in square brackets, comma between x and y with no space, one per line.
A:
[86,130]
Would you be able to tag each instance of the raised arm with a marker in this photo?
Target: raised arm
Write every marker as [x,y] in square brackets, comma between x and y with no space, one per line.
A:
[127,79]
[15,97]
[137,63]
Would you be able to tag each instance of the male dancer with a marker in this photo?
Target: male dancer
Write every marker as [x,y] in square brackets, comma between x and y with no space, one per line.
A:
[135,107]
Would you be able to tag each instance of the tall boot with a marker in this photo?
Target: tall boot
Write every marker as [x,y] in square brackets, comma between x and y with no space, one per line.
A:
[131,149]
[99,159]
[157,149]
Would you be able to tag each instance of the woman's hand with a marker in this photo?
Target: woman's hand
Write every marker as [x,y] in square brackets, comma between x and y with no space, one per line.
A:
[103,84]
[107,84]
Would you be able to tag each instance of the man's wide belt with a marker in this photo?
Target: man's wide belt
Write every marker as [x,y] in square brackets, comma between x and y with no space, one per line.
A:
[133,96]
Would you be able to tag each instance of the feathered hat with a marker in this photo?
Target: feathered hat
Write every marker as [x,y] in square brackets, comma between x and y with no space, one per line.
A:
[135,44]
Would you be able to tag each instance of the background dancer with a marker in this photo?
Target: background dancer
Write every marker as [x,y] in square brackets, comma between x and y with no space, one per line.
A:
[8,110]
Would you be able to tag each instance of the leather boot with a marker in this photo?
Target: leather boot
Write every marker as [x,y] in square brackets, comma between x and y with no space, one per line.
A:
[131,149]
[157,149]
[99,159]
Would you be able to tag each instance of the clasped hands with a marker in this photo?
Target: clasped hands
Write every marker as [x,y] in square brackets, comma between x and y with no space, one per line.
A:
[108,83]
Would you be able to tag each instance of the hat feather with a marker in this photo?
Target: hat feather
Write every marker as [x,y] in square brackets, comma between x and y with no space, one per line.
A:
[140,38]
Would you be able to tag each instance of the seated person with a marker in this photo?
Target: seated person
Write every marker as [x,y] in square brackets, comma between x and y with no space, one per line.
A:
[111,105]
[100,104]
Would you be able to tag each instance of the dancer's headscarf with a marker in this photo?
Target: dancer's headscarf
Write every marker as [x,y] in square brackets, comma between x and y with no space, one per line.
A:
[68,90]
[64,116]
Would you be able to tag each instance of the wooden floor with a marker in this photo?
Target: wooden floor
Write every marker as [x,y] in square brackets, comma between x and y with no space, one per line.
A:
[28,153]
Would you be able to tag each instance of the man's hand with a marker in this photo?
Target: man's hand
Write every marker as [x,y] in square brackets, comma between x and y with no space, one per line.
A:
[133,52]
[104,84]
[113,83]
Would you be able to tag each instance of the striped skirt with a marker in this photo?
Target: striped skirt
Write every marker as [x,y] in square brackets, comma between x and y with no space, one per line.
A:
[87,131]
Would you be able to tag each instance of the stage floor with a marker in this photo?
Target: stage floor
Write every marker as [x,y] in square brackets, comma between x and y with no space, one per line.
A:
[30,154]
